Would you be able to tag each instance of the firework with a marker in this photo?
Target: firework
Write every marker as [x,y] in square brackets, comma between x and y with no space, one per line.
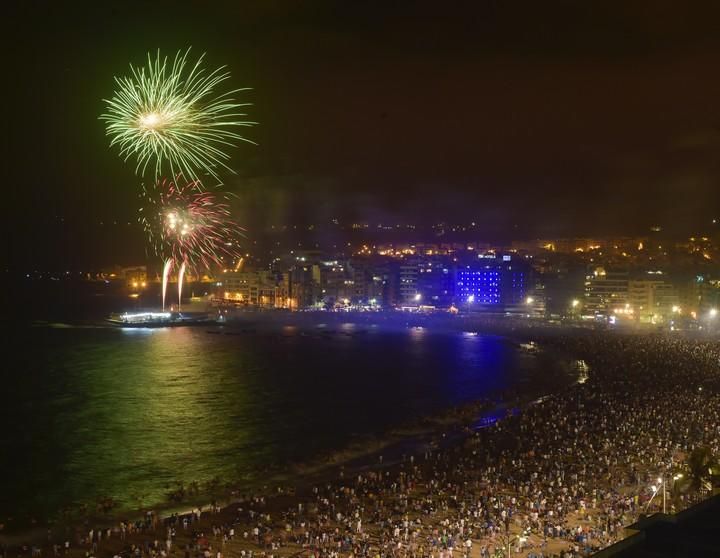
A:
[171,118]
[189,226]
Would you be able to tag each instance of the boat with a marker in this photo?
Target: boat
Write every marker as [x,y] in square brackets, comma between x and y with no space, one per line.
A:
[160,319]
[530,347]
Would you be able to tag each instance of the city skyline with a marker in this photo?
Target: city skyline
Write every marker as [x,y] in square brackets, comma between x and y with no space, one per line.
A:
[648,279]
[126,244]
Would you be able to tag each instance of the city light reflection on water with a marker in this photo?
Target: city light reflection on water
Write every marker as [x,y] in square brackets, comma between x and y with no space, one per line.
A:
[141,330]
[128,413]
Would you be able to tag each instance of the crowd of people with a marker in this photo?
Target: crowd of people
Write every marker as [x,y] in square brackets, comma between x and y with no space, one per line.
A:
[562,477]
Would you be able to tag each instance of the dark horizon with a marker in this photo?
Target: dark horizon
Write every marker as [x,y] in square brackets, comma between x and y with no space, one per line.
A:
[533,120]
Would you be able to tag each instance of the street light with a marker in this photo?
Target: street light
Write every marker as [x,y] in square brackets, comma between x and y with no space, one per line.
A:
[418,297]
[520,538]
[662,480]
[656,488]
[575,303]
[713,312]
[654,491]
[529,300]
[676,477]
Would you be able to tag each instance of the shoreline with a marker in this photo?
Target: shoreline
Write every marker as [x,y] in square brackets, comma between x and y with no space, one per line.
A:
[442,429]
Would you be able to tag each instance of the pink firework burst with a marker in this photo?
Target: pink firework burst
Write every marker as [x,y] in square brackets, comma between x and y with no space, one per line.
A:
[189,225]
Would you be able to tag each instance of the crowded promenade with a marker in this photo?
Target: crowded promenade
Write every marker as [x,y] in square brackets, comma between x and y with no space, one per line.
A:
[563,476]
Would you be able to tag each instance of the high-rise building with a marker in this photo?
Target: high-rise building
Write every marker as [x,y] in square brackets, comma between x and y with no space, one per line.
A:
[480,286]
[699,294]
[651,300]
[408,273]
[492,283]
[605,292]
[304,285]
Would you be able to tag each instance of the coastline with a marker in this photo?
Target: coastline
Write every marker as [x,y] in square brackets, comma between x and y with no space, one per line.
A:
[439,430]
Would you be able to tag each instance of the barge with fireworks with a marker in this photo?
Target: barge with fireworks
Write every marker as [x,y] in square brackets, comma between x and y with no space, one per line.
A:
[161,319]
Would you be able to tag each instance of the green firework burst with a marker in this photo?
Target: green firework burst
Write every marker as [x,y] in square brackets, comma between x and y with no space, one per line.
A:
[171,118]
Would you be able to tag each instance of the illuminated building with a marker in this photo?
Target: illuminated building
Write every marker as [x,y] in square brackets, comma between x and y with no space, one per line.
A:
[435,282]
[368,280]
[304,285]
[605,291]
[261,288]
[408,281]
[652,299]
[479,286]
[135,277]
[334,281]
[492,282]
[699,294]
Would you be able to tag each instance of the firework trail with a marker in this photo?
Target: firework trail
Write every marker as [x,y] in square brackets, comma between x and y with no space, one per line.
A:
[165,278]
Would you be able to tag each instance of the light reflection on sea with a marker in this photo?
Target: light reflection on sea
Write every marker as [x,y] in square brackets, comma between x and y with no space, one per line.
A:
[129,413]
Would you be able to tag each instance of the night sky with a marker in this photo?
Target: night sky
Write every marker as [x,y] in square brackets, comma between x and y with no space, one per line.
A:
[533,117]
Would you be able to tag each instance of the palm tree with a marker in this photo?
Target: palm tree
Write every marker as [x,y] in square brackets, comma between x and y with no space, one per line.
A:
[703,472]
[701,464]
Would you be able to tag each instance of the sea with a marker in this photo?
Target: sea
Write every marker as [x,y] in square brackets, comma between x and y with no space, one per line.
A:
[92,412]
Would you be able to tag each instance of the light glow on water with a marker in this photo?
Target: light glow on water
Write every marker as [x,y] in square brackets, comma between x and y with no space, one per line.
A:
[129,412]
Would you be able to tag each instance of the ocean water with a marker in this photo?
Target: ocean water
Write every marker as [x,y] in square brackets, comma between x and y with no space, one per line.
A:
[90,412]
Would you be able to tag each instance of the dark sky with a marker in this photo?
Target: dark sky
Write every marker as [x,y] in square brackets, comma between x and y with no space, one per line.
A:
[551,117]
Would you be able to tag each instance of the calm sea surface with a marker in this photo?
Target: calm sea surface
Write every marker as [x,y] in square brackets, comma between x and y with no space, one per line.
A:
[89,412]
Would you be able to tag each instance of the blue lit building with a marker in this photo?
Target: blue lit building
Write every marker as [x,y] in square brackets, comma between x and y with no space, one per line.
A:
[479,286]
[492,283]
